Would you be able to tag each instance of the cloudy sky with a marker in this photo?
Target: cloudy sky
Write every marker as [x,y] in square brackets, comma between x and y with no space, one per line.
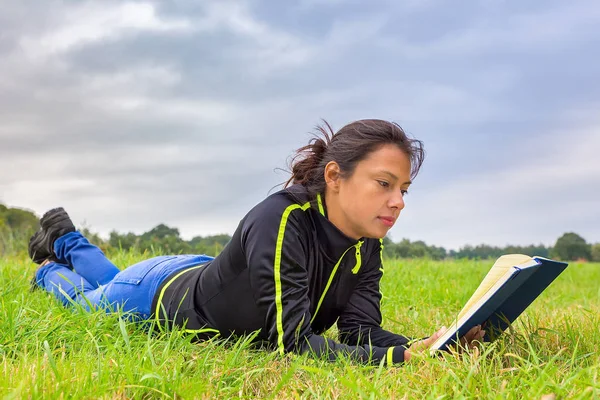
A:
[130,114]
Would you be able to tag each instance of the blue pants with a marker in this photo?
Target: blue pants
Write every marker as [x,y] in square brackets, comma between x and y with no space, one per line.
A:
[95,282]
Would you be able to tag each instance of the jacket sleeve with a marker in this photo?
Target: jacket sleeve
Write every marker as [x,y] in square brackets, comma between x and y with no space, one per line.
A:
[360,321]
[276,254]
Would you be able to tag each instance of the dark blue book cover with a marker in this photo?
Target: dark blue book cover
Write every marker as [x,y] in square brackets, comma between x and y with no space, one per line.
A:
[514,292]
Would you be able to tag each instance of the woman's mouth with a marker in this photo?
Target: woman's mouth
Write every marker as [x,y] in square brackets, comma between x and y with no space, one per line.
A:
[387,221]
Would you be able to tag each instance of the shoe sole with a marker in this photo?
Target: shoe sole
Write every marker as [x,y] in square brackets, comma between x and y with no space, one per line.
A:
[50,220]
[37,243]
[55,216]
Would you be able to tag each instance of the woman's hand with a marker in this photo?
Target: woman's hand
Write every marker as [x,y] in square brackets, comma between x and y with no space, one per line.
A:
[467,341]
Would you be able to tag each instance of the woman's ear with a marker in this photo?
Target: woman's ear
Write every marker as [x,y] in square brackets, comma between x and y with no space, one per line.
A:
[332,176]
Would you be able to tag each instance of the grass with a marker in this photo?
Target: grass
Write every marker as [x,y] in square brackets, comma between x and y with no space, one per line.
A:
[47,351]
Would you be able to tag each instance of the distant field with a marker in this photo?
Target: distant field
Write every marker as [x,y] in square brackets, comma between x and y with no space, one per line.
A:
[48,351]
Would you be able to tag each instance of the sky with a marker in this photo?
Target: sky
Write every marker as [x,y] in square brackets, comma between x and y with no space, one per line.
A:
[131,114]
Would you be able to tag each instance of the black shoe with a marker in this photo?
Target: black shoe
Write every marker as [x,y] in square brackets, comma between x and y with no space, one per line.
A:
[36,252]
[55,223]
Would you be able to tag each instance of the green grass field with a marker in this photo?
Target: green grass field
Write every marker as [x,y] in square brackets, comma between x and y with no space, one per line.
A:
[51,352]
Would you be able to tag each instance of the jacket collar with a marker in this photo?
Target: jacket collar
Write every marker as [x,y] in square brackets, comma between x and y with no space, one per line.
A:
[331,240]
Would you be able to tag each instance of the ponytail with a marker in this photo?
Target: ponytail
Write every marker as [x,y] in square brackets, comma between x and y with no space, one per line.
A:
[306,164]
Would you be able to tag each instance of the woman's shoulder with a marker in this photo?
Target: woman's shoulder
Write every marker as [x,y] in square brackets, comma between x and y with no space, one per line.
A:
[281,203]
[290,197]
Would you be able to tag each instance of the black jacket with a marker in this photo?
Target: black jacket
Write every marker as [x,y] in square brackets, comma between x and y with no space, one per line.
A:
[290,274]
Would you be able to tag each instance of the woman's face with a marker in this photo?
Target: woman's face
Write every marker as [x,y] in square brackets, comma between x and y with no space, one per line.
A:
[368,203]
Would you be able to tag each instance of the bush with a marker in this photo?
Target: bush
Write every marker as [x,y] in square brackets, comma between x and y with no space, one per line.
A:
[571,246]
[596,252]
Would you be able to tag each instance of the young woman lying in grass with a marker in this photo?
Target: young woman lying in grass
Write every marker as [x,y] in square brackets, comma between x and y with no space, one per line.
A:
[301,260]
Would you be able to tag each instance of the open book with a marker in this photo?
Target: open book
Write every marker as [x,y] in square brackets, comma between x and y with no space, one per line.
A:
[513,282]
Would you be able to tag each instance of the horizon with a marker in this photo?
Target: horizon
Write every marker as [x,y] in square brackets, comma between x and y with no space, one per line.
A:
[82,225]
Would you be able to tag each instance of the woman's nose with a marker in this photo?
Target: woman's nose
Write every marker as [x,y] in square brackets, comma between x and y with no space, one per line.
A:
[397,201]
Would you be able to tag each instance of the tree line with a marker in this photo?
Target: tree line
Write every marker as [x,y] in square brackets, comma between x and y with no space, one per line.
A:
[17,225]
[570,246]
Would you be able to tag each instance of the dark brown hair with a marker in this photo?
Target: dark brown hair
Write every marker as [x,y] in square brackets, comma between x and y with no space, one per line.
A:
[350,145]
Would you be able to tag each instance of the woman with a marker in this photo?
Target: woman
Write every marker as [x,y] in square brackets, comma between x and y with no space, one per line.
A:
[302,259]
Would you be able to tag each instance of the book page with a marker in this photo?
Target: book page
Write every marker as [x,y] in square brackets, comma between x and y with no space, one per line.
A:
[471,310]
[499,268]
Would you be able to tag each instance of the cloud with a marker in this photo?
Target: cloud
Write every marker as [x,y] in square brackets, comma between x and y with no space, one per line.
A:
[88,22]
[135,113]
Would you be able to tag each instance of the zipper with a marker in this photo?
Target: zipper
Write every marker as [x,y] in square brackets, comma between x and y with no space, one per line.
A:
[358,257]
[355,270]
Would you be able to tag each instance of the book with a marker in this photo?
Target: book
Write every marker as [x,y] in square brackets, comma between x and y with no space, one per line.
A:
[510,286]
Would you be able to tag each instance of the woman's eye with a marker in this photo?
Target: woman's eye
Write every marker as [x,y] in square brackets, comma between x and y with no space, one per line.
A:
[383,184]
[404,192]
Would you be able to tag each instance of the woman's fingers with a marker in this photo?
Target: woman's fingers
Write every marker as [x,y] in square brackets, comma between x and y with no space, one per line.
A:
[427,343]
[477,339]
[468,337]
[467,341]
[431,340]
[474,334]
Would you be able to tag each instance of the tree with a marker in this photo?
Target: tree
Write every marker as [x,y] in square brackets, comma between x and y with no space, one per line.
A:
[161,231]
[596,252]
[408,249]
[123,241]
[16,226]
[209,245]
[571,246]
[18,219]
